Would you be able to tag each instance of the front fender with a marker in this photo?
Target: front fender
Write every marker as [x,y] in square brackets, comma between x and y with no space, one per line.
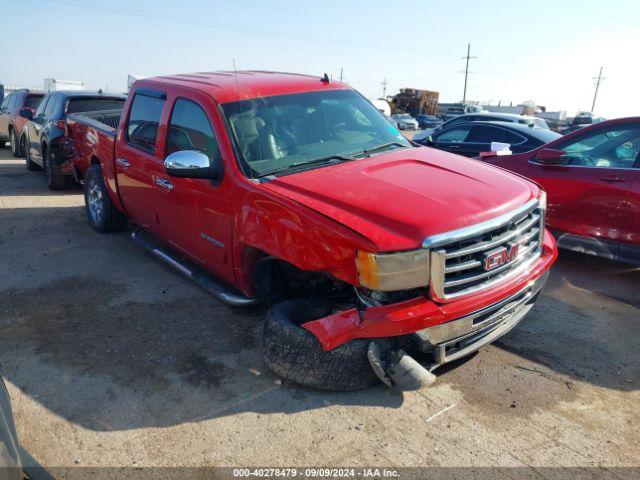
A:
[296,234]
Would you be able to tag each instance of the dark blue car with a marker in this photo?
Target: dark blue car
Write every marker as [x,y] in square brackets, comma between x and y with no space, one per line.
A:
[472,138]
[428,121]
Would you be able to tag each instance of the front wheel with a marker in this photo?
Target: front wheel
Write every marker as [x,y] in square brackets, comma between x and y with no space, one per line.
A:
[296,354]
[101,212]
[15,146]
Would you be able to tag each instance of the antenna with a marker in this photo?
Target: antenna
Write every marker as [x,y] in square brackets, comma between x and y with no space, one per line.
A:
[235,72]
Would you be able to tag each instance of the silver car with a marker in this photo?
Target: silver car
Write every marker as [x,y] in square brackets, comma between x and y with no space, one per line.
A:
[404,121]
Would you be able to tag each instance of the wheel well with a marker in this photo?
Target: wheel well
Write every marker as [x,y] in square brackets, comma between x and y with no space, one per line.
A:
[275,280]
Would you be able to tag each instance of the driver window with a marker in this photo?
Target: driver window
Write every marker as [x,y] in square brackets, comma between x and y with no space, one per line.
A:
[615,148]
[190,129]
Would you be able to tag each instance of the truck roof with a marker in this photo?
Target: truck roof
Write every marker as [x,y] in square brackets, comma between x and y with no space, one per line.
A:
[229,86]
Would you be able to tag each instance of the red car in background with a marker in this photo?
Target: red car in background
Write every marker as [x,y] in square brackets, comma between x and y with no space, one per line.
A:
[592,179]
[12,123]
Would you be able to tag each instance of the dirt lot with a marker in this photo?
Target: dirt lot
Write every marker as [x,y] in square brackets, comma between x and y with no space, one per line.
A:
[113,359]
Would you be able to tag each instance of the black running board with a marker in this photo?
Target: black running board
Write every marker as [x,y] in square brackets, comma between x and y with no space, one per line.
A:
[191,271]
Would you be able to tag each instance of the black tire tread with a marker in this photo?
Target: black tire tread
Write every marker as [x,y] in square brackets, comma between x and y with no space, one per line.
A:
[296,354]
[15,145]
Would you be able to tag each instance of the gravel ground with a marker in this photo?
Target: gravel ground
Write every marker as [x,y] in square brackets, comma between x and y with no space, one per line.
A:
[112,359]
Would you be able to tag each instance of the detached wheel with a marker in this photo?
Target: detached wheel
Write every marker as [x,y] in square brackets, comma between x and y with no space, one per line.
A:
[15,146]
[31,165]
[54,181]
[296,354]
[102,214]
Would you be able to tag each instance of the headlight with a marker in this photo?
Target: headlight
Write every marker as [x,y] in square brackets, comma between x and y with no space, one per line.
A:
[542,199]
[393,271]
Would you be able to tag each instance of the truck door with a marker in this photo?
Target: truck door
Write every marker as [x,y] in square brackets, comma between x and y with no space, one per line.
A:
[135,155]
[195,215]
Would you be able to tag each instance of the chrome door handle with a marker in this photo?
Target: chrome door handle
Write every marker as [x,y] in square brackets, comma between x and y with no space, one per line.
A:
[123,163]
[164,183]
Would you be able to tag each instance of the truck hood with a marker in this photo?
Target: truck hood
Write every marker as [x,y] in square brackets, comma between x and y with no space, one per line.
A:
[397,199]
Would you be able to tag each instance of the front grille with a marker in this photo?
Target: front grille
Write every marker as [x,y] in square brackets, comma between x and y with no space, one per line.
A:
[482,256]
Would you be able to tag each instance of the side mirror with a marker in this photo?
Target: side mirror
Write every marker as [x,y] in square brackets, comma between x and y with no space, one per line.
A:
[551,156]
[26,113]
[193,164]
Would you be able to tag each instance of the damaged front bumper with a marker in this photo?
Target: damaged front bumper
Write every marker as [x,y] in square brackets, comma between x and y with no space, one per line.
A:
[450,330]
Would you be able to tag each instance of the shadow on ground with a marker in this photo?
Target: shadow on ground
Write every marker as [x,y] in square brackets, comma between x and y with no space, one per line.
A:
[103,335]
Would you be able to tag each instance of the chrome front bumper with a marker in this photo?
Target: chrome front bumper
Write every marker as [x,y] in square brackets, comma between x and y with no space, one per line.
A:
[458,338]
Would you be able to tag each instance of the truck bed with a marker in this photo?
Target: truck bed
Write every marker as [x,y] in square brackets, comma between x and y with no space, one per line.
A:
[93,135]
[105,120]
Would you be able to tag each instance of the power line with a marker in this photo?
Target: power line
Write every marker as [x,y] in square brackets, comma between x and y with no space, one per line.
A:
[226,27]
[598,79]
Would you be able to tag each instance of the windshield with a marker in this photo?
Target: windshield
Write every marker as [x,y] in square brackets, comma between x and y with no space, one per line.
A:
[274,133]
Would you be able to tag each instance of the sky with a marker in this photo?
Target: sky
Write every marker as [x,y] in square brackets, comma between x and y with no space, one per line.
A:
[537,50]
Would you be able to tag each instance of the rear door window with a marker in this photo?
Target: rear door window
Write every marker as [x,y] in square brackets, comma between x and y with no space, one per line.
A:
[42,106]
[144,119]
[5,102]
[488,134]
[53,107]
[32,101]
[79,104]
[190,129]
[15,98]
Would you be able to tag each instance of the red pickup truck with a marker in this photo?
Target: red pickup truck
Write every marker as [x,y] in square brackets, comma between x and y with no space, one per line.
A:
[295,191]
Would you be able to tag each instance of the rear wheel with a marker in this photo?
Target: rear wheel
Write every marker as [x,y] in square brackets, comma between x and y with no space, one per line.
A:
[2,143]
[15,147]
[54,180]
[102,214]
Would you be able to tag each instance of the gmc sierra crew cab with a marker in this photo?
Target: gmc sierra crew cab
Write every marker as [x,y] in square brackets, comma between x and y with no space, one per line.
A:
[294,191]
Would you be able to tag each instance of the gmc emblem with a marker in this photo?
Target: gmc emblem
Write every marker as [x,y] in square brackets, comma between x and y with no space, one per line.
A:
[500,256]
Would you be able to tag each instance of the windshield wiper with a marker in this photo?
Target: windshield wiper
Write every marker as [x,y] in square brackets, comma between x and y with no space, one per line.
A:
[296,166]
[380,148]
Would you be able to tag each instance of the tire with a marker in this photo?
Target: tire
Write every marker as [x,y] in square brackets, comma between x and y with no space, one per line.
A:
[31,165]
[54,181]
[2,143]
[15,147]
[296,354]
[101,212]
[22,144]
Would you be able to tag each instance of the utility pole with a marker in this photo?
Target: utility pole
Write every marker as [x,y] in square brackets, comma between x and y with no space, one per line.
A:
[341,70]
[598,79]
[466,72]
[384,88]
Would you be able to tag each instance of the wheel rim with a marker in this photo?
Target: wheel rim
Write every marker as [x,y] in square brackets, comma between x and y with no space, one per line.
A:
[95,201]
